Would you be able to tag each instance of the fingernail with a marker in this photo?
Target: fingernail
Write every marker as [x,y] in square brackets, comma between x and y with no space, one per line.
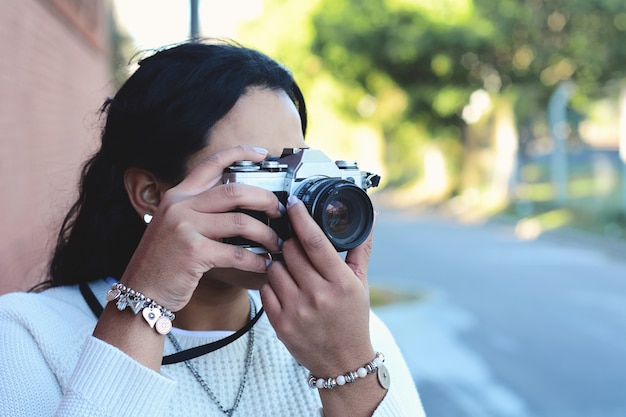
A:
[292,200]
[281,208]
[262,151]
[268,262]
[280,243]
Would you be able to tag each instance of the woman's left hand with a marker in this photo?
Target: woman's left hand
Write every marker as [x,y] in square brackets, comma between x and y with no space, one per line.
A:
[317,302]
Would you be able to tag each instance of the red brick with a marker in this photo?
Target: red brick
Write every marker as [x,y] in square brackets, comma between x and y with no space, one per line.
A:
[54,75]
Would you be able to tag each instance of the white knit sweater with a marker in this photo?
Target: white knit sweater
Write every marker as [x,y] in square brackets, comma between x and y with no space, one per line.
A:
[51,365]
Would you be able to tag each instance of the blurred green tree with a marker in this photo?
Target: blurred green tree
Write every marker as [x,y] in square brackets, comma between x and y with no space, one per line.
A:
[122,51]
[412,65]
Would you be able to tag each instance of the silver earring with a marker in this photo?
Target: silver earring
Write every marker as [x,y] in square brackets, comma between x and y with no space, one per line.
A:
[147,218]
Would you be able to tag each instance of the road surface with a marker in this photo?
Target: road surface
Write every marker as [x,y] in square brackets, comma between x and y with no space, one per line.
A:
[503,327]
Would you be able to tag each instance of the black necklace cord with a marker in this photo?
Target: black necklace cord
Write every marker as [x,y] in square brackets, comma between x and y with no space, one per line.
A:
[183,355]
[187,354]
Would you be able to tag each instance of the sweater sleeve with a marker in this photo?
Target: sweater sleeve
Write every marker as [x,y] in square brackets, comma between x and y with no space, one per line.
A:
[107,382]
[49,366]
[28,387]
[402,399]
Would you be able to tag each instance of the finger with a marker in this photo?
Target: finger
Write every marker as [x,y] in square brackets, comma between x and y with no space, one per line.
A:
[209,172]
[278,292]
[319,250]
[223,255]
[228,197]
[271,302]
[292,303]
[296,259]
[358,258]
[237,224]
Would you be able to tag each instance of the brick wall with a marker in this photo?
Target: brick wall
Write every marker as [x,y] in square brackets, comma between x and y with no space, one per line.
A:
[54,75]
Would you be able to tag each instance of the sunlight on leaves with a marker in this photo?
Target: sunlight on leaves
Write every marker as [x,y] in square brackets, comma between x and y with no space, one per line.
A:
[448,12]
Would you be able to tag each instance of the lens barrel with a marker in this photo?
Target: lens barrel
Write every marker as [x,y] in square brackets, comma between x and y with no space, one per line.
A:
[343,210]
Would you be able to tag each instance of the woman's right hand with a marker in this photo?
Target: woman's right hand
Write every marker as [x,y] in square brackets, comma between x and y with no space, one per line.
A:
[184,239]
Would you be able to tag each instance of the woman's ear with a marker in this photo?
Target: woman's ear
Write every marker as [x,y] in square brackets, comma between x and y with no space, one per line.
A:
[144,190]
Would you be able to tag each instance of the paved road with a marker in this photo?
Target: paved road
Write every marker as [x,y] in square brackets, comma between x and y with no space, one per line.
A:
[505,328]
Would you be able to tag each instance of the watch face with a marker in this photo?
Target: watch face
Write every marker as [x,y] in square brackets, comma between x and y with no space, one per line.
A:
[383,377]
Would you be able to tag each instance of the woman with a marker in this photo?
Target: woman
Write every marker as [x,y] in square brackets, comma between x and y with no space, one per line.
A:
[147,233]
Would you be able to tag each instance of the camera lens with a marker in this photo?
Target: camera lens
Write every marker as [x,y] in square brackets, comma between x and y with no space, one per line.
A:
[337,216]
[342,209]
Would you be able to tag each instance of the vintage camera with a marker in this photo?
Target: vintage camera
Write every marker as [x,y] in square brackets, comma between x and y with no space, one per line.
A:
[333,192]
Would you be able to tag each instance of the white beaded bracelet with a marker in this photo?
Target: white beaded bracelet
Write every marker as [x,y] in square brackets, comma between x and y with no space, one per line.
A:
[377,365]
[157,316]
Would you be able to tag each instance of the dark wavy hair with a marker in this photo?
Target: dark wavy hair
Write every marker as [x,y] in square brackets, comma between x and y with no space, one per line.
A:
[161,116]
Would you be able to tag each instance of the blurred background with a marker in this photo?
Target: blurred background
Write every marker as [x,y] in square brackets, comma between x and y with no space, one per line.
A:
[499,129]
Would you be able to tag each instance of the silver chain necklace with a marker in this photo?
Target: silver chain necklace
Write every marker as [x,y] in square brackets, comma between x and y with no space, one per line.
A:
[229,412]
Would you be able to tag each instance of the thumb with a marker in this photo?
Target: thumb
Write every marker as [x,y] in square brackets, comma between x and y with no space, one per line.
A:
[358,258]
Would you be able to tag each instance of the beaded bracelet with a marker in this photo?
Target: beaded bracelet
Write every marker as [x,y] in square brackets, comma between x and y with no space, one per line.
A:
[157,316]
[377,365]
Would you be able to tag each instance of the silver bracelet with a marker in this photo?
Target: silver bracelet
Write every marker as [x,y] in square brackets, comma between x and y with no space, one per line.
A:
[157,316]
[375,366]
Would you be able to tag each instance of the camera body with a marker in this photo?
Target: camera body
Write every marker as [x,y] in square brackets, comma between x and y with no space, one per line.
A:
[333,192]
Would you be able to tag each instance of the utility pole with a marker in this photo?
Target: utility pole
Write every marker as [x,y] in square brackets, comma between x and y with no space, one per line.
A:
[622,143]
[557,119]
[194,27]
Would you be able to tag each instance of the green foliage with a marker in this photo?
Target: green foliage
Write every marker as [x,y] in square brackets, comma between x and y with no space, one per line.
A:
[122,49]
[407,68]
[438,53]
